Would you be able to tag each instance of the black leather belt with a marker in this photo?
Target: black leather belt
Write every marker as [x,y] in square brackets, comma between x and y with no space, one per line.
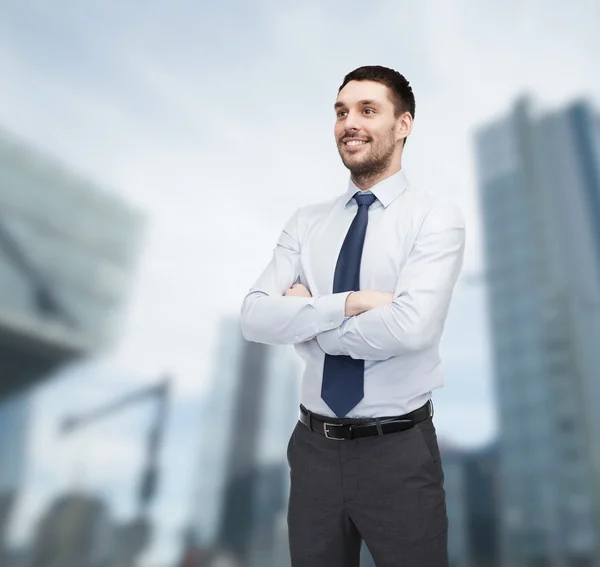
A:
[346,428]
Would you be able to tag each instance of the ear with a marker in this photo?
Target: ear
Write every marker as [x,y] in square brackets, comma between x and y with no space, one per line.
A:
[404,126]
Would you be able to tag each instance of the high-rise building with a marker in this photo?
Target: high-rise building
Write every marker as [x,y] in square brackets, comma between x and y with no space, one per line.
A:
[281,550]
[471,485]
[482,498]
[250,413]
[67,252]
[366,559]
[216,431]
[76,530]
[539,182]
[14,421]
[242,474]
[455,485]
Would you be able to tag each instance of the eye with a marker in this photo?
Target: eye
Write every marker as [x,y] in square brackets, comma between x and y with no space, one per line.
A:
[369,110]
[340,113]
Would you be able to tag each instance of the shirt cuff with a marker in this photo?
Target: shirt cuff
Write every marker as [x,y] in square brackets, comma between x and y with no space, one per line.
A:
[331,310]
[330,343]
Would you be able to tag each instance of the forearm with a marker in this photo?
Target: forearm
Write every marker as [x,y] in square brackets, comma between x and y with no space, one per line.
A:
[270,316]
[384,332]
[415,318]
[279,320]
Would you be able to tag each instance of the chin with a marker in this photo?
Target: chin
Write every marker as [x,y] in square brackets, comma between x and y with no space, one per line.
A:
[354,161]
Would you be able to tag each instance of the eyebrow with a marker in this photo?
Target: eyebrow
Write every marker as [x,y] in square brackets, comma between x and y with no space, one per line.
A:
[365,102]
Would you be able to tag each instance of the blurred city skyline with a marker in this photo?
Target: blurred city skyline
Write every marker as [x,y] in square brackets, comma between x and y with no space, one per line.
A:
[198,114]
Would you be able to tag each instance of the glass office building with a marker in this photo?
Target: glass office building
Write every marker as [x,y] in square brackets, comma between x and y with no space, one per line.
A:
[14,421]
[538,176]
[68,249]
[243,476]
[67,252]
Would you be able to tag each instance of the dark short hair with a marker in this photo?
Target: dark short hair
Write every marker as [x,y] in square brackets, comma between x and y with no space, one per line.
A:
[400,90]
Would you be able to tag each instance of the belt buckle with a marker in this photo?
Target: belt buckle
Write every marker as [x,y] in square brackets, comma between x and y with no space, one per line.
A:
[326,431]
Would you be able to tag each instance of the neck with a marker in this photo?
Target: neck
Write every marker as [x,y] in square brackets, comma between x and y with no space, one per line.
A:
[365,182]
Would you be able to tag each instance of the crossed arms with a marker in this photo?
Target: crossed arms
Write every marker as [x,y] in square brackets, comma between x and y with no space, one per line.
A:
[365,324]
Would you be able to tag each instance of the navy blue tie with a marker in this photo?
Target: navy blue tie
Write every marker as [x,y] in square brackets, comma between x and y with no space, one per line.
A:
[343,376]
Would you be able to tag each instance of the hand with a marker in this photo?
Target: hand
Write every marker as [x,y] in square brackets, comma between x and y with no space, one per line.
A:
[364,300]
[298,290]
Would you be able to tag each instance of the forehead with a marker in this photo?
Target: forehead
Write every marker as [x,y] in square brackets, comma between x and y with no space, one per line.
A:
[356,91]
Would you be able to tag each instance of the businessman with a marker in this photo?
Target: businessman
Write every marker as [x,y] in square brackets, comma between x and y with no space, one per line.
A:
[361,285]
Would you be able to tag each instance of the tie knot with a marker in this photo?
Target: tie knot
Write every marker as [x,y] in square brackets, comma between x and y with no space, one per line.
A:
[363,199]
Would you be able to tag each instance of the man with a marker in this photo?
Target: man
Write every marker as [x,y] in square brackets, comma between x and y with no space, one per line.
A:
[361,285]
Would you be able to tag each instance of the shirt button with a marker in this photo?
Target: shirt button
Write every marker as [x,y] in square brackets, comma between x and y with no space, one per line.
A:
[331,322]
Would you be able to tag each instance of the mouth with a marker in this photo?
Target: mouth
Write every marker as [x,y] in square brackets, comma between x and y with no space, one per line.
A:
[354,143]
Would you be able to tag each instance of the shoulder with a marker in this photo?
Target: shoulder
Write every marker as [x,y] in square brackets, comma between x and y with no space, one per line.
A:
[304,218]
[316,210]
[311,215]
[434,209]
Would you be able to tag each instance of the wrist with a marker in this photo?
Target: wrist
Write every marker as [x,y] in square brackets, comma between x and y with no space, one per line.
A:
[354,304]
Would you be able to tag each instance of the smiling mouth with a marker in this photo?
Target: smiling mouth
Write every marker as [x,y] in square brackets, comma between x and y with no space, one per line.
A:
[354,143]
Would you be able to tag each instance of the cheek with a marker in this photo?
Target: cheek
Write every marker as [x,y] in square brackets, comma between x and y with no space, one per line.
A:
[382,138]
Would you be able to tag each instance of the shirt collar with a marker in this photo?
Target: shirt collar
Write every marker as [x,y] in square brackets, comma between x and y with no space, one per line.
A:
[385,191]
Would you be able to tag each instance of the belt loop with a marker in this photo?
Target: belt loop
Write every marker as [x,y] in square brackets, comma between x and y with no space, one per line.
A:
[379,430]
[430,408]
[310,427]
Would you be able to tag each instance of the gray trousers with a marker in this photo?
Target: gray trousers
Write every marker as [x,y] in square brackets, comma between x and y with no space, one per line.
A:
[384,490]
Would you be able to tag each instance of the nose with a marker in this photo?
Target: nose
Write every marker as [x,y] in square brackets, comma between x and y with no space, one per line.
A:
[351,124]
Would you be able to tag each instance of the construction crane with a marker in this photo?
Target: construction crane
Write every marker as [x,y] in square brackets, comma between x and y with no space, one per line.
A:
[135,535]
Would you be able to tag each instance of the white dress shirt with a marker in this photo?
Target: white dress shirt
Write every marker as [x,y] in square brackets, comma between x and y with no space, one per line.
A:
[414,247]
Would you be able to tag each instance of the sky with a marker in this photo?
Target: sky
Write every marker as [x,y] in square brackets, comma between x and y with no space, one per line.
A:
[217,121]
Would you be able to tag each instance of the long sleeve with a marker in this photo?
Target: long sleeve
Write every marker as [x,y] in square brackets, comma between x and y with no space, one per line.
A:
[416,317]
[268,316]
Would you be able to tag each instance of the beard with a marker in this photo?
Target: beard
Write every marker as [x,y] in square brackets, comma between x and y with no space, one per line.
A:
[374,161]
